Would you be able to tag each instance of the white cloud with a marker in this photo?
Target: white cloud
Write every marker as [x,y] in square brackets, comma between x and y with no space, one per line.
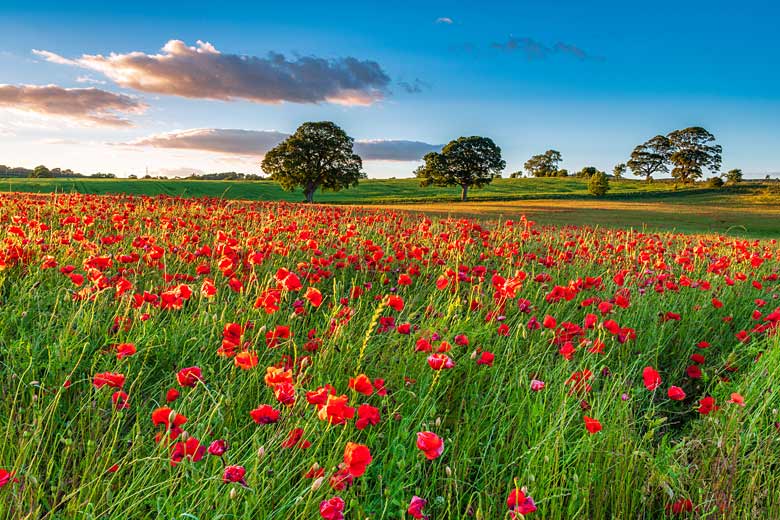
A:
[258,142]
[204,72]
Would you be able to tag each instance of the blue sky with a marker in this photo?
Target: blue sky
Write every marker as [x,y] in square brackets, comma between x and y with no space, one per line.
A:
[591,80]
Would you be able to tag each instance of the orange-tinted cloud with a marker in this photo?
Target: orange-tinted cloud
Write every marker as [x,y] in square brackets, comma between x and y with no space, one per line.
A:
[203,72]
[258,142]
[84,105]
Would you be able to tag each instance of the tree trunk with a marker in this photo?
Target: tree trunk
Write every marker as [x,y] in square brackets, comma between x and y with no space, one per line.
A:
[308,192]
[464,192]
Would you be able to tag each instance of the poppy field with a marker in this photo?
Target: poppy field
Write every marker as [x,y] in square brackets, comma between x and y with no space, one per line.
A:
[192,358]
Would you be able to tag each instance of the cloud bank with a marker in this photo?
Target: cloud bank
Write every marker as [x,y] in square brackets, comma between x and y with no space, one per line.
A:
[84,105]
[203,72]
[258,142]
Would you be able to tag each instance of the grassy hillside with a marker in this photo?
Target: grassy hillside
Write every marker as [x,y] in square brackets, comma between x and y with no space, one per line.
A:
[377,191]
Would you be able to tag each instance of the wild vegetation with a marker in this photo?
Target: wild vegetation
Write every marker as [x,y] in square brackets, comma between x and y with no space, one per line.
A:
[170,357]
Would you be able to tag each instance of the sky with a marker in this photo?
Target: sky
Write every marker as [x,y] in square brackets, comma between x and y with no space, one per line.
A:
[136,87]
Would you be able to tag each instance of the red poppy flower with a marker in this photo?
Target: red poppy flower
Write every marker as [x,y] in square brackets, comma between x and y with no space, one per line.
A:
[295,439]
[332,509]
[285,393]
[190,449]
[234,474]
[171,395]
[440,361]
[120,400]
[520,503]
[707,405]
[356,458]
[6,477]
[430,444]
[361,384]
[592,425]
[264,414]
[277,375]
[246,360]
[415,508]
[112,379]
[676,393]
[395,302]
[171,420]
[367,415]
[486,358]
[336,410]
[189,377]
[124,350]
[651,378]
[341,480]
[314,296]
[218,447]
[273,337]
[737,399]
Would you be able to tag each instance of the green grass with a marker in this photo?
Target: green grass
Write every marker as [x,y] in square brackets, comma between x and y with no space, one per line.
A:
[368,191]
[498,433]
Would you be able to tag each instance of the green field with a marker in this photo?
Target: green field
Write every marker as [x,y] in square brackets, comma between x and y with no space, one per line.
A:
[751,209]
[372,190]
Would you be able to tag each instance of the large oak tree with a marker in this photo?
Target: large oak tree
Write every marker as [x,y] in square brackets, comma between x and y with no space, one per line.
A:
[543,165]
[318,155]
[651,157]
[693,153]
[466,162]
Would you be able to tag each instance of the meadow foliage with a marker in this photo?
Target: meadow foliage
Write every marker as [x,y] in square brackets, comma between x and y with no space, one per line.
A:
[197,358]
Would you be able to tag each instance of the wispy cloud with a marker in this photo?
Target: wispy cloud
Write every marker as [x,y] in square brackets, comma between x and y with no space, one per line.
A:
[414,87]
[90,80]
[202,71]
[177,172]
[258,142]
[445,20]
[535,50]
[90,106]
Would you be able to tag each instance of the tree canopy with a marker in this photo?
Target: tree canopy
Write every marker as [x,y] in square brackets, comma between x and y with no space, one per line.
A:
[466,162]
[651,157]
[598,184]
[618,171]
[587,172]
[693,153]
[734,176]
[544,164]
[317,156]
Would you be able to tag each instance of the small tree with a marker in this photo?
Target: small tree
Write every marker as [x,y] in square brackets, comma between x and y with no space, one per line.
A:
[516,175]
[693,153]
[41,171]
[465,162]
[317,155]
[734,176]
[651,157]
[587,172]
[598,184]
[563,172]
[715,182]
[543,165]
[618,171]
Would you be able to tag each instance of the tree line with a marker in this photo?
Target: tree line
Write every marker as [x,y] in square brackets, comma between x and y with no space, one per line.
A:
[320,155]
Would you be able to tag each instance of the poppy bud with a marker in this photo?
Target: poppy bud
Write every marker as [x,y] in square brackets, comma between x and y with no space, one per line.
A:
[448,471]
[233,493]
[261,452]
[317,483]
